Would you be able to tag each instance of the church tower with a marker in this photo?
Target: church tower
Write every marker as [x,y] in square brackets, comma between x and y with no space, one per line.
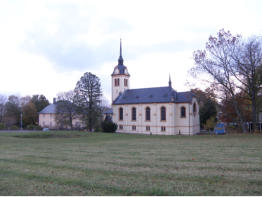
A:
[120,77]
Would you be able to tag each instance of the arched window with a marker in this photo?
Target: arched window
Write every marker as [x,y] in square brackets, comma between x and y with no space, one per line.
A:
[194,108]
[163,113]
[183,112]
[117,82]
[133,113]
[120,113]
[148,113]
[125,82]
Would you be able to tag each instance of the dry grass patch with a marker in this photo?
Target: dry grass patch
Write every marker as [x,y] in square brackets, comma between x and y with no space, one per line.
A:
[79,163]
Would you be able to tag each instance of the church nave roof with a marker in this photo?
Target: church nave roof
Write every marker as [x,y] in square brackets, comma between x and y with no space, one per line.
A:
[153,95]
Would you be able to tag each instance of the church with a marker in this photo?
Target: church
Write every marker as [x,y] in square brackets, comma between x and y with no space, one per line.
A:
[156,110]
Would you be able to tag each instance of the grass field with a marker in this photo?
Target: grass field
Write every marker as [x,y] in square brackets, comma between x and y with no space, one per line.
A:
[78,163]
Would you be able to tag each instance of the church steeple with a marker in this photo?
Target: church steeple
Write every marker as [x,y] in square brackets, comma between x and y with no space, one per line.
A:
[169,82]
[120,77]
[120,59]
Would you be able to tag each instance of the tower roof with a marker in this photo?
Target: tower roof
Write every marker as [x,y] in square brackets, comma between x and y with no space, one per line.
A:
[122,69]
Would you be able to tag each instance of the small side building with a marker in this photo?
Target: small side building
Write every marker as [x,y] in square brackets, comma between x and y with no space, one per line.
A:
[47,118]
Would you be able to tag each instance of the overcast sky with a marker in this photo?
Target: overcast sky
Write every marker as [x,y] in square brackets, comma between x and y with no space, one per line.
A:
[46,46]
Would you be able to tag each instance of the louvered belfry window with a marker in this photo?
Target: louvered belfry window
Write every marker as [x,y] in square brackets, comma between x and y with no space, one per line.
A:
[125,82]
[117,82]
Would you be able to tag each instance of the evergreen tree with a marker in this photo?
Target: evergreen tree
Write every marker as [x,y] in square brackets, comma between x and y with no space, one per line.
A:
[88,98]
[12,111]
[40,102]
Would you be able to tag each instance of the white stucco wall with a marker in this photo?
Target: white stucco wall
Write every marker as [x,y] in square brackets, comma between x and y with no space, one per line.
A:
[48,121]
[189,125]
[121,88]
[174,124]
[195,117]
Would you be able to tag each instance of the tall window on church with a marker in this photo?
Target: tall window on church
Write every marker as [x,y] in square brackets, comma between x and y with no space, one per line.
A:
[125,82]
[194,108]
[163,113]
[133,114]
[117,82]
[120,113]
[148,114]
[183,112]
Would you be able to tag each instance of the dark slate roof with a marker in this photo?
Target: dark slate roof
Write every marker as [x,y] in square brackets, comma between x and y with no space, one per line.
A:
[50,109]
[109,111]
[153,95]
[184,97]
[121,69]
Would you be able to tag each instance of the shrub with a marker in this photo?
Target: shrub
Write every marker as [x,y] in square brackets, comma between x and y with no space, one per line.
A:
[210,123]
[2,126]
[33,127]
[38,127]
[30,127]
[109,126]
[98,129]
[14,127]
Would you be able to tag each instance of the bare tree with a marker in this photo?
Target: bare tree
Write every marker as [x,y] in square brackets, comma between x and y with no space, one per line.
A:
[65,109]
[217,62]
[2,107]
[30,114]
[248,71]
[25,100]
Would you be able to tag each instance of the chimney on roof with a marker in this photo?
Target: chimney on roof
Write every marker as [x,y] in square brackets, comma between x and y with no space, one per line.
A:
[54,100]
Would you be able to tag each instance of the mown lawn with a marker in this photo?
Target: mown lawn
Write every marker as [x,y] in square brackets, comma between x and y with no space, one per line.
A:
[78,163]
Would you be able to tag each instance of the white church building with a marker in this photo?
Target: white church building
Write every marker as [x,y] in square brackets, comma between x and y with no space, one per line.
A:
[157,110]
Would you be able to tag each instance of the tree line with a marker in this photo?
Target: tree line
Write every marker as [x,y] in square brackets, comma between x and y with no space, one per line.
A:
[15,110]
[234,65]
[84,103]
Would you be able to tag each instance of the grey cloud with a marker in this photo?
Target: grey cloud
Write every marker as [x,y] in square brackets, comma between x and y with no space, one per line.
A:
[170,47]
[114,25]
[67,54]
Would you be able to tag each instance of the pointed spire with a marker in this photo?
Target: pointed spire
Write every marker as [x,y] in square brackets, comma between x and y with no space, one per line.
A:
[120,59]
[120,47]
[169,82]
